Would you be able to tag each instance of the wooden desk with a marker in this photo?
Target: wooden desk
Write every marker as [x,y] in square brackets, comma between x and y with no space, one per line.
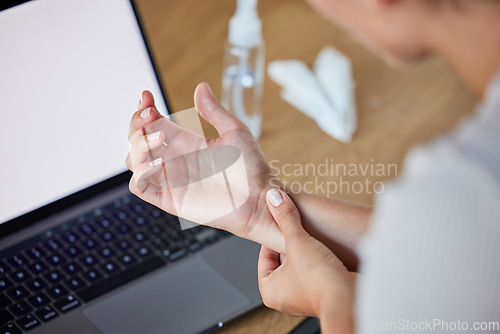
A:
[396,108]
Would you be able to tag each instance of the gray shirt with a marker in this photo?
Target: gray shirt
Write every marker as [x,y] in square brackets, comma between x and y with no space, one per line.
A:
[431,261]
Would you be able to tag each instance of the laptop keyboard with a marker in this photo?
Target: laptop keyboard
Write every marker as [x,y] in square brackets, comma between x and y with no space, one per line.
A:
[83,259]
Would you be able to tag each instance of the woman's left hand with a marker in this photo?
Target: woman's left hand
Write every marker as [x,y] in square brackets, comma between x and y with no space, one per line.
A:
[311,280]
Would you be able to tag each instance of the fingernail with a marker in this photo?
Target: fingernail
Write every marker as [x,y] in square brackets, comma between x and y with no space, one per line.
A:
[274,197]
[155,162]
[145,113]
[154,136]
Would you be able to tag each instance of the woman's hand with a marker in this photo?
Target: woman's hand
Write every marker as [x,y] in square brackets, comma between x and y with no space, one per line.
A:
[311,280]
[152,179]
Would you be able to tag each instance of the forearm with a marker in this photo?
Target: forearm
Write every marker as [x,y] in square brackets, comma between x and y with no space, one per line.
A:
[336,223]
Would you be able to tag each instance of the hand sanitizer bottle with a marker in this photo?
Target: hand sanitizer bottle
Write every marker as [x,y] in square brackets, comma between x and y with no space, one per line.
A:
[243,76]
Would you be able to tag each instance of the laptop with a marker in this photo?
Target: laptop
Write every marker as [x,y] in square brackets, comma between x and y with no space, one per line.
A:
[78,252]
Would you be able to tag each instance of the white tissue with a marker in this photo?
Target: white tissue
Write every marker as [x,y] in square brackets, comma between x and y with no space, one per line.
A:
[326,94]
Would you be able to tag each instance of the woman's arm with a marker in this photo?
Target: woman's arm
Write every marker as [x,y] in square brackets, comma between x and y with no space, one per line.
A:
[336,223]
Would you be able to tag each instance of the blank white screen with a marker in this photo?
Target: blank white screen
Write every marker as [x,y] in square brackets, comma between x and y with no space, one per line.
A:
[71,74]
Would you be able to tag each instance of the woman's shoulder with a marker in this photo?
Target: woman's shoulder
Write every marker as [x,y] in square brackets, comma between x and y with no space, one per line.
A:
[440,188]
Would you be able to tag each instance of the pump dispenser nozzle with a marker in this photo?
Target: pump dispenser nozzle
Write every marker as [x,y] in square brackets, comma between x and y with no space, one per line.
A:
[245,27]
[244,66]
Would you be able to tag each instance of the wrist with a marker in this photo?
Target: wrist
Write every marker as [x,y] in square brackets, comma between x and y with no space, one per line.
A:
[261,226]
[336,311]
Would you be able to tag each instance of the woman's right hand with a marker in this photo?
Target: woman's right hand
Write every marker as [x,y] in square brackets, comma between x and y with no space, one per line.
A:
[251,220]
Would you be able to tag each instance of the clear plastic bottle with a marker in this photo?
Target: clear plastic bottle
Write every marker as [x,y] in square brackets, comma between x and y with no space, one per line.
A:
[244,66]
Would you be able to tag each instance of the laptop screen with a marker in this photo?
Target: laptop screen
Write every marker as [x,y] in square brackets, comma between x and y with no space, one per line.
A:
[71,75]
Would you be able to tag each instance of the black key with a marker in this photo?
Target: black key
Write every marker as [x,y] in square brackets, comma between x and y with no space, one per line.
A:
[38,267]
[20,308]
[4,301]
[75,283]
[18,293]
[73,251]
[5,317]
[160,243]
[5,283]
[106,252]
[46,313]
[28,322]
[39,300]
[143,251]
[17,261]
[174,235]
[121,215]
[67,303]
[110,267]
[20,276]
[156,213]
[70,237]
[127,259]
[126,276]
[35,253]
[72,268]
[86,229]
[211,239]
[90,244]
[137,207]
[139,237]
[104,222]
[107,236]
[126,199]
[4,268]
[54,276]
[124,228]
[93,275]
[89,260]
[175,253]
[36,285]
[140,221]
[53,245]
[10,329]
[57,291]
[194,246]
[56,259]
[156,229]
[123,244]
[174,224]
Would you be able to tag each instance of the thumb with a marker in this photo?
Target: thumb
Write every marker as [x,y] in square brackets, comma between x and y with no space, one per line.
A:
[147,100]
[286,214]
[212,111]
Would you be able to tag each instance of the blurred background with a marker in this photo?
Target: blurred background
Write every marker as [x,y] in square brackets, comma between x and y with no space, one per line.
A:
[397,108]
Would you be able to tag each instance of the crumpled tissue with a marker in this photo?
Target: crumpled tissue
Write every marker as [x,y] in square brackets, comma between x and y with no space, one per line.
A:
[325,94]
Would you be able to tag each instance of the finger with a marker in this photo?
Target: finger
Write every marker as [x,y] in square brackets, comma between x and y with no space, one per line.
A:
[212,111]
[269,261]
[141,118]
[286,214]
[147,100]
[142,148]
[145,173]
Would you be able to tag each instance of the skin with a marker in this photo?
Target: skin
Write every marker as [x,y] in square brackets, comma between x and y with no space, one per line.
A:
[308,241]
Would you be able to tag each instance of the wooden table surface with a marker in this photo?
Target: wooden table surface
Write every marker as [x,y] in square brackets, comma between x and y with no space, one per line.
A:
[397,108]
